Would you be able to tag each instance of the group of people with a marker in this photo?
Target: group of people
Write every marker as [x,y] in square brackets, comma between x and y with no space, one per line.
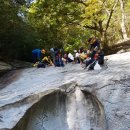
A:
[59,58]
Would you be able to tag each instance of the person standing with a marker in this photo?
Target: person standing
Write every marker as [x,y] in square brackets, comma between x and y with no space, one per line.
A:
[94,45]
[94,48]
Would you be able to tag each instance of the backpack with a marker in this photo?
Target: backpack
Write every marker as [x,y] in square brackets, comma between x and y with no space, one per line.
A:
[41,65]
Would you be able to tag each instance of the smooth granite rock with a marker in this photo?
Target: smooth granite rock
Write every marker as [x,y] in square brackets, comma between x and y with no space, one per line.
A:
[69,98]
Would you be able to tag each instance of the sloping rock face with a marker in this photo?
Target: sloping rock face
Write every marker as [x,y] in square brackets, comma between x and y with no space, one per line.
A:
[121,46]
[17,64]
[4,67]
[69,98]
[75,110]
[13,65]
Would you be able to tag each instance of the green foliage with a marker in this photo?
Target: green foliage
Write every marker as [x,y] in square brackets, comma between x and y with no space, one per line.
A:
[16,37]
[93,12]
[67,24]
[53,20]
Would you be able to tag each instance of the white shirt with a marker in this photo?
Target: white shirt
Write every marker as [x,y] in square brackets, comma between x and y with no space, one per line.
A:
[70,56]
[76,55]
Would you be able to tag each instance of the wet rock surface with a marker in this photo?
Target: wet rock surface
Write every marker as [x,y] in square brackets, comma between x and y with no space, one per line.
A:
[69,98]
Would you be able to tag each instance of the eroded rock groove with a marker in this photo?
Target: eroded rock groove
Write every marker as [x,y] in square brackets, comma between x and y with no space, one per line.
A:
[74,110]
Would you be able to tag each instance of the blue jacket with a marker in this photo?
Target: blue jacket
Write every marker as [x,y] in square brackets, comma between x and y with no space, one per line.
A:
[37,53]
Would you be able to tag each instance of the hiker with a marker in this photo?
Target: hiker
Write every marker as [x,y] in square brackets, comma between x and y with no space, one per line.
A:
[58,58]
[94,48]
[91,62]
[101,57]
[59,61]
[65,58]
[37,54]
[76,56]
[55,53]
[82,55]
[87,56]
[47,61]
[52,53]
[70,58]
[94,44]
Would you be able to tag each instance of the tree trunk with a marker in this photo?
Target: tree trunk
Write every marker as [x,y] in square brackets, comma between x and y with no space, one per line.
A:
[104,41]
[123,26]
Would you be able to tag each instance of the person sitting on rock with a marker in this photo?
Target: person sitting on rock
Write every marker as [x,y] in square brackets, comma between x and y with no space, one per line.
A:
[82,57]
[92,62]
[70,58]
[47,61]
[58,58]
[87,56]
[52,53]
[76,56]
[65,58]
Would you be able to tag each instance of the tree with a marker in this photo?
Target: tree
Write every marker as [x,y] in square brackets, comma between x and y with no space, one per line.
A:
[123,25]
[16,37]
[53,20]
[98,15]
[60,23]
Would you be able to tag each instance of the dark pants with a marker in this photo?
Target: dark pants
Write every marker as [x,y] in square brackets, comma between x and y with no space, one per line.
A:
[77,60]
[45,62]
[69,60]
[92,63]
[89,62]
[59,62]
[92,59]
[101,59]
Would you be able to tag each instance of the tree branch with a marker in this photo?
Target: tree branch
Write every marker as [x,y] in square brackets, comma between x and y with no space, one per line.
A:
[81,2]
[111,12]
[104,5]
[92,27]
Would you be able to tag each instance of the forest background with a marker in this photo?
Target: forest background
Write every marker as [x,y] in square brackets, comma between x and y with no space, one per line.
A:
[29,24]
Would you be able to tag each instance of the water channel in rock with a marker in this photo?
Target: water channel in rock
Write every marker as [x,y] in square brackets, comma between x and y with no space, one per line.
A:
[74,110]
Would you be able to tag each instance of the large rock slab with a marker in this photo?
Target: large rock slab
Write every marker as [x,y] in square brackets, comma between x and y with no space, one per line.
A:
[101,96]
[17,64]
[123,45]
[13,65]
[4,67]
